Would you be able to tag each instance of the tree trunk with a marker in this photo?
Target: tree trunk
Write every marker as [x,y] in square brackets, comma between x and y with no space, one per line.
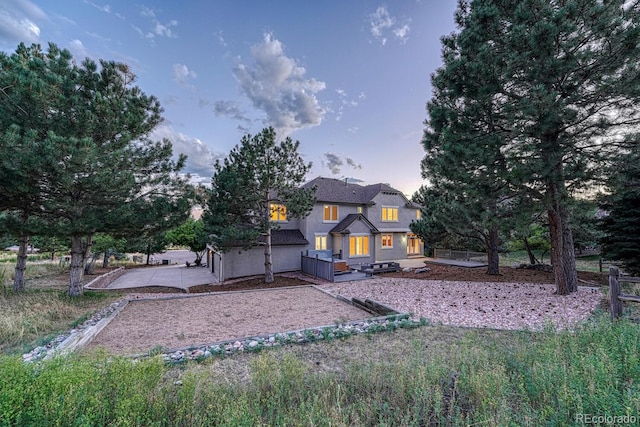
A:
[105,259]
[79,254]
[562,252]
[532,257]
[493,256]
[568,253]
[21,264]
[148,252]
[268,264]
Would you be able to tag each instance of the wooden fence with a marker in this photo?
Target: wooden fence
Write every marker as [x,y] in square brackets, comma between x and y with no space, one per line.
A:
[315,266]
[615,294]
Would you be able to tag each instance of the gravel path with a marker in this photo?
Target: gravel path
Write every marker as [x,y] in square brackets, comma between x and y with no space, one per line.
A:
[478,305]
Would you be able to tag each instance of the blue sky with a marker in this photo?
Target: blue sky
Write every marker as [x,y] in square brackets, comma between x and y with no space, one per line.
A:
[348,79]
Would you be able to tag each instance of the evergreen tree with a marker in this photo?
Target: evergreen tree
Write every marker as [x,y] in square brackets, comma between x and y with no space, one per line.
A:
[564,85]
[620,223]
[258,177]
[468,192]
[82,131]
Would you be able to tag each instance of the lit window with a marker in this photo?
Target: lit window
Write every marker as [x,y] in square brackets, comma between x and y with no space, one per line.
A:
[358,245]
[359,209]
[389,213]
[418,214]
[387,241]
[321,242]
[278,212]
[330,213]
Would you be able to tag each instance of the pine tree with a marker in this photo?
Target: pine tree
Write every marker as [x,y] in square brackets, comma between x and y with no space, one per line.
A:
[258,176]
[86,162]
[564,82]
[621,221]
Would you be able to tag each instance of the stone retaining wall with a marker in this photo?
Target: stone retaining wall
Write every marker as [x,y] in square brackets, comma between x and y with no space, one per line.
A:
[104,280]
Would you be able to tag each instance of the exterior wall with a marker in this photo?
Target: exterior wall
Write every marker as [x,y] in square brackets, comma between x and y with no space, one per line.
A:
[358,228]
[405,214]
[232,264]
[290,224]
[398,251]
[314,223]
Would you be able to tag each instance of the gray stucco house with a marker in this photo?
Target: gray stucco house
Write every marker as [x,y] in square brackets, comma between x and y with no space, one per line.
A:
[363,224]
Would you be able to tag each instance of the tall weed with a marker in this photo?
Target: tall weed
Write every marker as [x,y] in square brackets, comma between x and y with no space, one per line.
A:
[533,379]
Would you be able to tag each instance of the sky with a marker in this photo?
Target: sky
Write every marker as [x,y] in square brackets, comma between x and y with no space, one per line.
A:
[349,79]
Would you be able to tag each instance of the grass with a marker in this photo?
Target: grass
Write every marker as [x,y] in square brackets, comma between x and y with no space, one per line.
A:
[434,375]
[43,310]
[428,376]
[585,263]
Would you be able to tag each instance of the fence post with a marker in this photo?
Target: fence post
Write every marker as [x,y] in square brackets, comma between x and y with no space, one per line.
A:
[315,268]
[614,291]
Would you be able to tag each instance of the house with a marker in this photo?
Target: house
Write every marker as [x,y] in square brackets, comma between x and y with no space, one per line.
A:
[360,224]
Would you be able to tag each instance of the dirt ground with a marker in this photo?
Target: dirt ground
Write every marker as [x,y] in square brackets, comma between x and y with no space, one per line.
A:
[202,319]
[205,319]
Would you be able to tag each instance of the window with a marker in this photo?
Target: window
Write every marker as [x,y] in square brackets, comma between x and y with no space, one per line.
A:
[359,209]
[321,242]
[330,213]
[358,246]
[278,212]
[389,213]
[418,214]
[387,241]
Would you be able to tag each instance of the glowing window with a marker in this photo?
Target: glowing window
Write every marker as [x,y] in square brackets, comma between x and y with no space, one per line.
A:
[330,213]
[358,245]
[278,212]
[387,241]
[321,242]
[389,213]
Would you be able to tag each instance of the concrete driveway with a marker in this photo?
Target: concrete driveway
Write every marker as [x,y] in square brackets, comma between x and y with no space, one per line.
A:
[175,275]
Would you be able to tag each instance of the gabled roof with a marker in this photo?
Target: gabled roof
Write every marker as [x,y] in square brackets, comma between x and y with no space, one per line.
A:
[331,190]
[343,226]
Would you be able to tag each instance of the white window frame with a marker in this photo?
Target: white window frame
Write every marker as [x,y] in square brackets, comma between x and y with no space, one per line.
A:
[393,209]
[362,254]
[330,220]
[382,245]
[321,237]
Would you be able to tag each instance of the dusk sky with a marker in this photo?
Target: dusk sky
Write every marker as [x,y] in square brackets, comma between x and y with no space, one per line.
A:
[348,79]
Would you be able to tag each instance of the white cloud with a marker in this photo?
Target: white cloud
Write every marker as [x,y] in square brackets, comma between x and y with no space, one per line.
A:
[200,157]
[79,51]
[104,8]
[383,26]
[276,85]
[221,40]
[158,28]
[181,73]
[344,102]
[18,21]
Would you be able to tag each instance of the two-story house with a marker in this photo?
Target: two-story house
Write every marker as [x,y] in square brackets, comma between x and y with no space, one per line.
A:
[363,224]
